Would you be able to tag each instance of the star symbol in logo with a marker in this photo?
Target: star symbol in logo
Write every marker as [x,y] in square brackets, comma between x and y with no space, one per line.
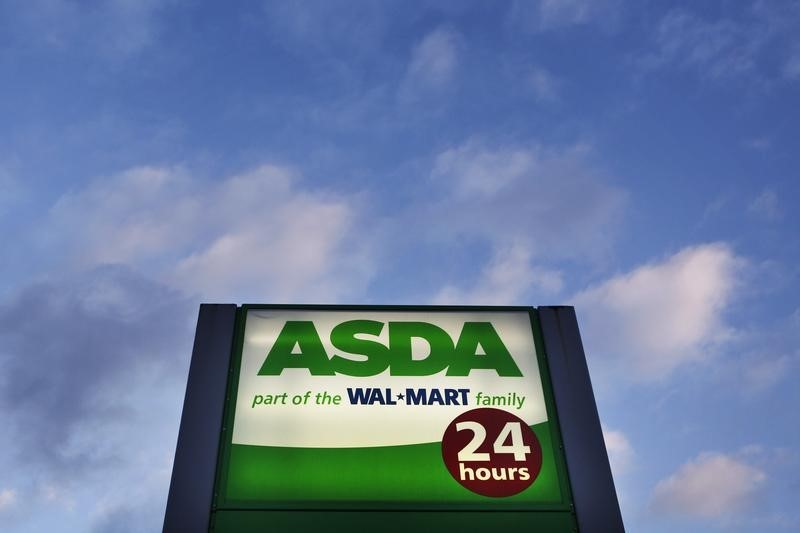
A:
[401,397]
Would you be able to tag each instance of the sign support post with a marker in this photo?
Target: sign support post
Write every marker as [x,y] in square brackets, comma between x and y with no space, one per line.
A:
[191,491]
[593,492]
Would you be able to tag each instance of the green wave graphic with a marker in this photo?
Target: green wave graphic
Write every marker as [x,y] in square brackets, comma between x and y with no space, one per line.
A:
[410,473]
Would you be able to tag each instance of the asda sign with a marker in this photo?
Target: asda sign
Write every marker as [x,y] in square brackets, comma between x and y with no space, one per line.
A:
[350,414]
[361,379]
[360,352]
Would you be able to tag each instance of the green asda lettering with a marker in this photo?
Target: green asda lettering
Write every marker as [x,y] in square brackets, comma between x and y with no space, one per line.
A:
[299,346]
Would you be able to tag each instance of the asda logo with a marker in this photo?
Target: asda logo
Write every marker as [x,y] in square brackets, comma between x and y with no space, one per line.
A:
[356,354]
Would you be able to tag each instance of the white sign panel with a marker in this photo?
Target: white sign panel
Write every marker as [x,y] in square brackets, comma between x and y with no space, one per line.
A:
[340,379]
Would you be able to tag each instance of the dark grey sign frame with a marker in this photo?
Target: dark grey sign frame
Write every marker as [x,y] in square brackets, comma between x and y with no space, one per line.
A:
[191,493]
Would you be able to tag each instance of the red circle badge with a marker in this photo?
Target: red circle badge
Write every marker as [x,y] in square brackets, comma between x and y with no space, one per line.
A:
[492,452]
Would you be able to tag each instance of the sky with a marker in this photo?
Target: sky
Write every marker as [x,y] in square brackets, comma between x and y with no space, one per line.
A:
[639,160]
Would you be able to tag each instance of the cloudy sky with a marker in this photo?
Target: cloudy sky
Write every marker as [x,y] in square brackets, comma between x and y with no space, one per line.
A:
[637,159]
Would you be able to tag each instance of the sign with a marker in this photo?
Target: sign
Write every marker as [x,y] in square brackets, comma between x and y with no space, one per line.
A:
[383,417]
[353,406]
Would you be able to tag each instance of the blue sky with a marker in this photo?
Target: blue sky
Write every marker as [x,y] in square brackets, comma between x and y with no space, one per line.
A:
[638,160]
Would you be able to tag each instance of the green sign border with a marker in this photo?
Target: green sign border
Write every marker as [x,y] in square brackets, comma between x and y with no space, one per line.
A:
[233,515]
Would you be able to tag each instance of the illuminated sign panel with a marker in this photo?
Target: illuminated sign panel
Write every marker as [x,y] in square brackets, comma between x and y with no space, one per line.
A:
[352,406]
[389,418]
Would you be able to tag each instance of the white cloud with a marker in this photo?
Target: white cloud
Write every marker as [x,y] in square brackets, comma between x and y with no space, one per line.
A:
[505,281]
[719,48]
[742,47]
[259,235]
[327,28]
[107,326]
[712,485]
[10,189]
[105,416]
[58,495]
[563,12]
[791,69]
[620,451]
[115,28]
[759,144]
[8,499]
[141,506]
[433,64]
[714,208]
[478,170]
[662,315]
[764,372]
[545,86]
[550,200]
[133,23]
[544,15]
[765,205]
[293,249]
[763,356]
[134,215]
